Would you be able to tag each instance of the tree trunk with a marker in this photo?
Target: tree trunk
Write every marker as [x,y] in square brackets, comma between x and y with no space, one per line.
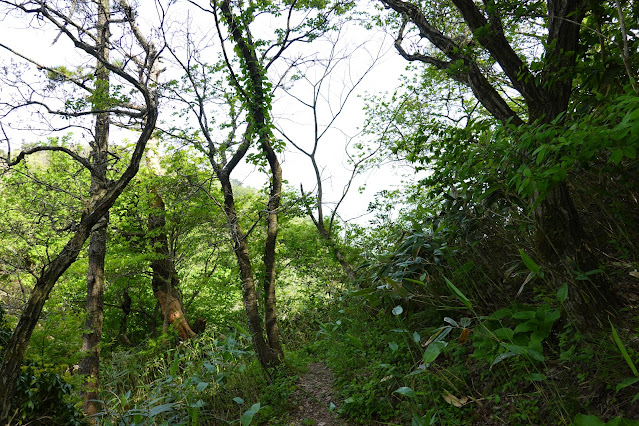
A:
[273,205]
[90,364]
[165,280]
[125,304]
[260,126]
[561,240]
[266,355]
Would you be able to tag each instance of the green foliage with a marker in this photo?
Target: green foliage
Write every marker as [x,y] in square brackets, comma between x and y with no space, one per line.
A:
[44,397]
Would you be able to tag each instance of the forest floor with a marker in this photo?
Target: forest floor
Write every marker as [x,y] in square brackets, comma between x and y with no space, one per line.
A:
[313,396]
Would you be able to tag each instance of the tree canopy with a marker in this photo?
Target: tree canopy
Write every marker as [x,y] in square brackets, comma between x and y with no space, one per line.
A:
[142,281]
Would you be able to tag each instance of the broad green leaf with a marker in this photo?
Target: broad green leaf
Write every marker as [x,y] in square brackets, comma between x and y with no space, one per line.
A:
[154,411]
[248,415]
[586,420]
[393,346]
[616,156]
[238,400]
[524,314]
[397,310]
[451,321]
[362,292]
[562,293]
[499,358]
[537,377]
[432,351]
[201,386]
[406,391]
[504,334]
[355,340]
[416,337]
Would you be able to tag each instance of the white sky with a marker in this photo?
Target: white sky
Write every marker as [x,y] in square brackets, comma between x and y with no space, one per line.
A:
[289,115]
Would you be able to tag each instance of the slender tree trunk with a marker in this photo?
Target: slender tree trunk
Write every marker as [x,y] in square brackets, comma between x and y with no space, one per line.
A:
[125,304]
[90,364]
[266,355]
[273,205]
[165,280]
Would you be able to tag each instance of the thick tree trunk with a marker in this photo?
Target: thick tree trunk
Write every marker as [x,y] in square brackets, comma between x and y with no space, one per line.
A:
[561,240]
[165,280]
[90,364]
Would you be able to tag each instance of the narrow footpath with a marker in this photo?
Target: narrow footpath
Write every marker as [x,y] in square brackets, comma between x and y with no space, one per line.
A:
[314,396]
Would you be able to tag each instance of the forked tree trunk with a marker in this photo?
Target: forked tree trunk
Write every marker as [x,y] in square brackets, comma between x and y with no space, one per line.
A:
[268,357]
[257,103]
[273,205]
[165,280]
[90,364]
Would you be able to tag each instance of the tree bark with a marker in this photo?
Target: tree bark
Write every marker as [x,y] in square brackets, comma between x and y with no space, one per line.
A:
[125,304]
[165,280]
[267,356]
[90,364]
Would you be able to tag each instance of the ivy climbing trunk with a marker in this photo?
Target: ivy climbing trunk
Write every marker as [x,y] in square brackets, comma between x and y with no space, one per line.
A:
[90,363]
[165,280]
[257,99]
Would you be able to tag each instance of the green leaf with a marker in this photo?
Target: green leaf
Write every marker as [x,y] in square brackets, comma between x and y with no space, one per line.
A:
[355,340]
[624,384]
[406,391]
[238,400]
[174,365]
[616,156]
[432,351]
[586,420]
[416,337]
[562,293]
[393,346]
[530,264]
[537,377]
[504,334]
[397,310]
[363,292]
[499,358]
[154,411]
[623,351]
[248,415]
[201,386]
[524,314]
[458,293]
